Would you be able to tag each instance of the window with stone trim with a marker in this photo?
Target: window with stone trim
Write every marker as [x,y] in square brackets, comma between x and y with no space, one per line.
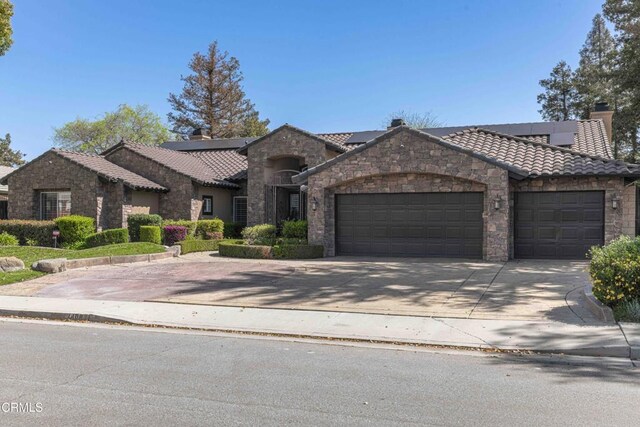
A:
[54,204]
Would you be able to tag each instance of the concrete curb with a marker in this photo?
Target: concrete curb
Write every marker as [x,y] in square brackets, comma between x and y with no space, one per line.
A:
[600,310]
[63,264]
[631,333]
[493,335]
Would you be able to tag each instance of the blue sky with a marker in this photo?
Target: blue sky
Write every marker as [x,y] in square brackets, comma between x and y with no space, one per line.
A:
[320,65]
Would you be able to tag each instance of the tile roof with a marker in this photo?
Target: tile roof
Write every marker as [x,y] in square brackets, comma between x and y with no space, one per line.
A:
[111,171]
[339,137]
[4,171]
[178,161]
[538,159]
[227,164]
[339,148]
[592,139]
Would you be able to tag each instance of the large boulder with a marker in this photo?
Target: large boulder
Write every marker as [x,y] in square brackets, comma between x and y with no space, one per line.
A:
[54,265]
[11,263]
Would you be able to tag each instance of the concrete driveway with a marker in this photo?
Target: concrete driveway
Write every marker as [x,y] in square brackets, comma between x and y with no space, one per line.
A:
[542,290]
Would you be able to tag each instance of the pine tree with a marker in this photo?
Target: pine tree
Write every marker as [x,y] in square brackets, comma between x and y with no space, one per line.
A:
[560,98]
[9,156]
[594,76]
[213,99]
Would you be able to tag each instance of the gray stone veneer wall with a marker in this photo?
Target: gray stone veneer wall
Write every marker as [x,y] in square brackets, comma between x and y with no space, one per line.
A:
[285,143]
[408,162]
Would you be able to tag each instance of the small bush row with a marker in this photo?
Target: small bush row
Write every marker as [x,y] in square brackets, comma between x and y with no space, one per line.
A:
[151,234]
[107,237]
[29,233]
[615,271]
[245,251]
[235,250]
[193,245]
[262,235]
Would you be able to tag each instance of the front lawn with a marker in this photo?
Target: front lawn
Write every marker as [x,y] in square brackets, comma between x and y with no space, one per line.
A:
[30,254]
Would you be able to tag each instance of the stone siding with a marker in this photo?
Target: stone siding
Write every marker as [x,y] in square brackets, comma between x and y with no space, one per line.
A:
[54,173]
[284,143]
[629,210]
[181,200]
[612,186]
[407,162]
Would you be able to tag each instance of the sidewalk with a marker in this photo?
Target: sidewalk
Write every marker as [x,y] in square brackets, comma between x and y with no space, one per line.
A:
[538,336]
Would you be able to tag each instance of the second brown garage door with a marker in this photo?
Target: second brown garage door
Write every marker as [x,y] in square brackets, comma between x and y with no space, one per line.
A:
[410,224]
[558,224]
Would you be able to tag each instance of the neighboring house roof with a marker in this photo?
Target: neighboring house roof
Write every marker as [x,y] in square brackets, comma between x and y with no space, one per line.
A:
[208,144]
[178,161]
[228,164]
[522,157]
[100,166]
[339,148]
[4,171]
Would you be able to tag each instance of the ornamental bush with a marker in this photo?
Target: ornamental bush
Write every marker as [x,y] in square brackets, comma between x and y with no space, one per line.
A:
[34,233]
[295,229]
[74,229]
[194,245]
[263,234]
[189,225]
[298,251]
[174,234]
[135,221]
[151,234]
[615,271]
[210,229]
[7,239]
[232,230]
[245,251]
[107,237]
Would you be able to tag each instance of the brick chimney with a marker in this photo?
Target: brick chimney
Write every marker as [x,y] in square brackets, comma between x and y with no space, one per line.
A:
[199,134]
[603,113]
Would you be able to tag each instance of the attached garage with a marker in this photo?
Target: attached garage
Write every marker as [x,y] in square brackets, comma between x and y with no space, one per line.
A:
[410,224]
[557,224]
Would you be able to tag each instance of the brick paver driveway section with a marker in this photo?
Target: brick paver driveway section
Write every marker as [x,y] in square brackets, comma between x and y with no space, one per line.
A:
[545,290]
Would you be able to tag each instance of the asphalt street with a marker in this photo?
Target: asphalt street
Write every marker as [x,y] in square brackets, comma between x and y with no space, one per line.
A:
[83,374]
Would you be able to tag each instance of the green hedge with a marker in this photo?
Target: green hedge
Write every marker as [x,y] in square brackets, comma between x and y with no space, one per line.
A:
[615,271]
[245,251]
[190,225]
[107,237]
[188,246]
[135,221]
[263,234]
[295,229]
[232,230]
[298,251]
[74,229]
[30,233]
[7,239]
[210,229]
[151,234]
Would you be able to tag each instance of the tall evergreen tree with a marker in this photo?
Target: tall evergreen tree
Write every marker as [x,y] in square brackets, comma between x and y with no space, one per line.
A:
[9,156]
[625,15]
[213,99]
[560,98]
[594,76]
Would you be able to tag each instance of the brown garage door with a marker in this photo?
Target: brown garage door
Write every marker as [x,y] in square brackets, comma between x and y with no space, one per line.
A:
[410,224]
[559,224]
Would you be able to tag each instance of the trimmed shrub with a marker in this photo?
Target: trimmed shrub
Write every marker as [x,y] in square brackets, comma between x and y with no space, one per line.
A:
[38,233]
[7,239]
[298,251]
[107,237]
[74,229]
[188,246]
[151,234]
[210,229]
[135,221]
[295,229]
[232,230]
[264,234]
[189,225]
[615,271]
[245,251]
[174,234]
